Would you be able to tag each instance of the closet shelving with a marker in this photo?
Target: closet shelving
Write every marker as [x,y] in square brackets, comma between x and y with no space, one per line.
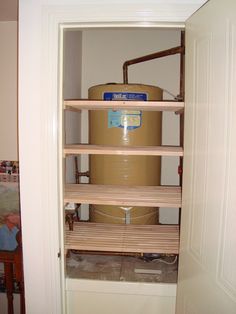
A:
[122,105]
[123,150]
[87,236]
[153,196]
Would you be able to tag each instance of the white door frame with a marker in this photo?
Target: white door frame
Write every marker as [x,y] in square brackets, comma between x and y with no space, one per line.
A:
[40,22]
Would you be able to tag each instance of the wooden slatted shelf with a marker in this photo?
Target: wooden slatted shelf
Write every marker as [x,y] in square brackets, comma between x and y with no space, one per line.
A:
[154,196]
[121,105]
[123,238]
[77,149]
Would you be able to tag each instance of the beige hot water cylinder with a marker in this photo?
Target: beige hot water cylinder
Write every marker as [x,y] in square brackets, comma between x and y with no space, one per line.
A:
[118,128]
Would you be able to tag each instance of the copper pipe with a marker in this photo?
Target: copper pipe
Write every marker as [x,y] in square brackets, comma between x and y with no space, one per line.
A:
[83,174]
[107,253]
[155,55]
[79,174]
[182,61]
[181,121]
[71,216]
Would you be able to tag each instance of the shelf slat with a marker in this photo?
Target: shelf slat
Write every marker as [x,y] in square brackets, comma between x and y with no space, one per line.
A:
[121,105]
[77,149]
[123,238]
[154,196]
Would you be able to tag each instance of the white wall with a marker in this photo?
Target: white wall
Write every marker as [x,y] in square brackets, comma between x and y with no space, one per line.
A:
[105,51]
[8,90]
[72,72]
[8,113]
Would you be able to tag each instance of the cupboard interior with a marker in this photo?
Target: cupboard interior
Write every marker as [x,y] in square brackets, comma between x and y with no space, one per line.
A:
[95,56]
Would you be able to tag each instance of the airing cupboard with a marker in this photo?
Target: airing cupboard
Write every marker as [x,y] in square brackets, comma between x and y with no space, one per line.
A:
[89,52]
[102,243]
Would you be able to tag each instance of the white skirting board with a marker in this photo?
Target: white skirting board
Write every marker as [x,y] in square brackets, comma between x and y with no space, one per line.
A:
[107,297]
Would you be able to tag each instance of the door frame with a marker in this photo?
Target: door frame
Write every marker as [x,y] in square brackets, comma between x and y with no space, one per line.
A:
[40,99]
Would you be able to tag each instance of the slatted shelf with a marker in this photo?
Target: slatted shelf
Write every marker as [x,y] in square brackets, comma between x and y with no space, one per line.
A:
[123,238]
[121,105]
[154,196]
[123,150]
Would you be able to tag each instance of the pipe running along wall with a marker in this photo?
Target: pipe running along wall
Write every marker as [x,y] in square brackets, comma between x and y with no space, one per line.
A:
[155,55]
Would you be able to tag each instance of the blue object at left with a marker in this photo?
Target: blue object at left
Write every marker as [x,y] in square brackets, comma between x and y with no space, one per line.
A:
[8,238]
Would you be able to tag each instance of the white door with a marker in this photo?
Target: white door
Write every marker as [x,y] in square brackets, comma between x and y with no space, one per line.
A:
[207,273]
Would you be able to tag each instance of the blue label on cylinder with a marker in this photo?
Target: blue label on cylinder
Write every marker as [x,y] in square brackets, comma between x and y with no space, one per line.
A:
[128,119]
[124,96]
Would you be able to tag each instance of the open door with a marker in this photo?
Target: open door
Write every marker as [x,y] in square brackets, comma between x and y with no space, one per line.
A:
[207,273]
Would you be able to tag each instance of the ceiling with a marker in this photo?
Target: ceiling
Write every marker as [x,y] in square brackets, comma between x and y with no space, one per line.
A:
[8,10]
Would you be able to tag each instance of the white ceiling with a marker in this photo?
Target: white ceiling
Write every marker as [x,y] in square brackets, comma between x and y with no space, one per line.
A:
[8,8]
